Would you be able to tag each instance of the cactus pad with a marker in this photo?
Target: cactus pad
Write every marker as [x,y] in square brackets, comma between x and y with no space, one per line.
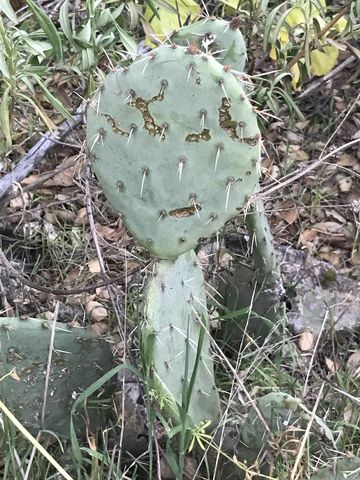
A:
[78,360]
[175,313]
[223,39]
[175,145]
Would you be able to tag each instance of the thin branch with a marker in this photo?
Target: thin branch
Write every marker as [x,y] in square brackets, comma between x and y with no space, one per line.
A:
[301,172]
[313,86]
[57,291]
[38,151]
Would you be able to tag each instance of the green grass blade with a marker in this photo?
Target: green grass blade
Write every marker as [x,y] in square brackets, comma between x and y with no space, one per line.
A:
[49,28]
[51,99]
[5,117]
[65,21]
[8,11]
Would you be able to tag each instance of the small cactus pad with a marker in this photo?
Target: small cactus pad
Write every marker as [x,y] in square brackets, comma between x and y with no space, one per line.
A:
[223,39]
[175,313]
[79,359]
[175,145]
[282,413]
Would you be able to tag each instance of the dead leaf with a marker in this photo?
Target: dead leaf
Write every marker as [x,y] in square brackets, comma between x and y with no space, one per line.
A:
[48,315]
[351,413]
[347,160]
[306,341]
[22,201]
[94,266]
[344,183]
[288,211]
[302,125]
[332,213]
[99,328]
[295,138]
[332,366]
[96,311]
[112,233]
[102,293]
[330,229]
[13,374]
[307,238]
[353,364]
[355,256]
[8,309]
[274,172]
[356,135]
[298,155]
[335,257]
[81,217]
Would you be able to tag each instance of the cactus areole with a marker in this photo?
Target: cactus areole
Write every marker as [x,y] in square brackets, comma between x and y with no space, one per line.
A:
[175,145]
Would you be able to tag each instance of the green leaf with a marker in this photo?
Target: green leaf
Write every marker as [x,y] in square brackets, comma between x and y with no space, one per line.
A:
[151,5]
[51,99]
[85,34]
[3,65]
[5,118]
[37,47]
[65,20]
[49,28]
[127,40]
[7,9]
[84,396]
[290,103]
[268,25]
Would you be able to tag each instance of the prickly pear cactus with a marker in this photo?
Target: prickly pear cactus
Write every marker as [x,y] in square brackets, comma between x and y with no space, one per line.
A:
[79,359]
[347,468]
[223,39]
[175,145]
[175,313]
[286,417]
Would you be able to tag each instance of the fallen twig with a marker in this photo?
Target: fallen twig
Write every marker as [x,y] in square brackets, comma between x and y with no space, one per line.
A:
[316,84]
[301,172]
[38,151]
[57,291]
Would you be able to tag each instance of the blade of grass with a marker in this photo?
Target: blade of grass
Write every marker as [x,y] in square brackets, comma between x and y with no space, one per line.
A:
[6,8]
[33,441]
[5,117]
[49,28]
[65,21]
[51,99]
[84,396]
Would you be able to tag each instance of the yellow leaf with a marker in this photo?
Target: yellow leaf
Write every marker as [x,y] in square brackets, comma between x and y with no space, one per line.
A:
[283,38]
[322,63]
[295,72]
[273,54]
[295,17]
[298,15]
[169,16]
[340,24]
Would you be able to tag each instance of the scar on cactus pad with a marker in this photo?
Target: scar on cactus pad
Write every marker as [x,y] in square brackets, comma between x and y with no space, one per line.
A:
[175,146]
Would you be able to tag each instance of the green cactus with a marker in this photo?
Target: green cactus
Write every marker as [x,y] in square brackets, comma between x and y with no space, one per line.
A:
[79,359]
[175,319]
[347,468]
[223,39]
[281,412]
[175,146]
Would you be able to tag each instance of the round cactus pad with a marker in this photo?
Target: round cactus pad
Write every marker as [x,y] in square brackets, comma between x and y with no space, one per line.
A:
[175,146]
